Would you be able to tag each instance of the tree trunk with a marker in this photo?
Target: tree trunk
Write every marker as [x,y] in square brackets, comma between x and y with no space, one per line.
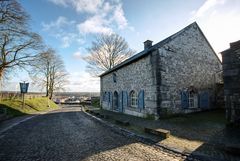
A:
[47,84]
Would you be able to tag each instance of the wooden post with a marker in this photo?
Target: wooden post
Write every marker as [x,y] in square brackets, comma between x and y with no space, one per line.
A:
[48,102]
[23,101]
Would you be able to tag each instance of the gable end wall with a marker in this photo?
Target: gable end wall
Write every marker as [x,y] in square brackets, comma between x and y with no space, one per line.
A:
[186,61]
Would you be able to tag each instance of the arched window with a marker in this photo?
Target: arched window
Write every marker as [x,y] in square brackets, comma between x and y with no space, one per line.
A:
[114,77]
[133,99]
[115,101]
[191,99]
[105,96]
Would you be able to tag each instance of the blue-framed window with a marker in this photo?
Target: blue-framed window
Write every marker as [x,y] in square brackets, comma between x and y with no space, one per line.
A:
[105,96]
[133,99]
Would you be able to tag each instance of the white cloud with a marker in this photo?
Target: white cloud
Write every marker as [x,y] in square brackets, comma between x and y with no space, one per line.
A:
[59,2]
[83,82]
[88,6]
[95,24]
[57,24]
[77,55]
[102,16]
[207,6]
[107,7]
[220,23]
[63,30]
[67,40]
[111,15]
[222,28]
[119,17]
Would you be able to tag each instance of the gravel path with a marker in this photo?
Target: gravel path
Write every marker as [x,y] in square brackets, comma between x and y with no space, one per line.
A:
[69,134]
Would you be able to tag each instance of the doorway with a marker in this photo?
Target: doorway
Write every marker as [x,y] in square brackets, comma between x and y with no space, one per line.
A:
[115,101]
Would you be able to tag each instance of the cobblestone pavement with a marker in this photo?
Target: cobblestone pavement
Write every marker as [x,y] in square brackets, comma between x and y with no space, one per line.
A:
[205,137]
[69,134]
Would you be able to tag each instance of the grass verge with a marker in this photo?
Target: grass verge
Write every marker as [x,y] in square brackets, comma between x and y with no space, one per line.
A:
[32,106]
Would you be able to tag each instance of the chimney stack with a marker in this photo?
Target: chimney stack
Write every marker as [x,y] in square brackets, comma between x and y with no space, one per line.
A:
[147,44]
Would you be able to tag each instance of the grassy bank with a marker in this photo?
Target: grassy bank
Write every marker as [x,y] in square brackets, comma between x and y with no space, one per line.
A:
[32,106]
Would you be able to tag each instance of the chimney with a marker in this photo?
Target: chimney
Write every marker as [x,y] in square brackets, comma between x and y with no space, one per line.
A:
[147,44]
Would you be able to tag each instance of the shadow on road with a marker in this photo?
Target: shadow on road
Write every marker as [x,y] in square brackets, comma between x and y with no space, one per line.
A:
[223,145]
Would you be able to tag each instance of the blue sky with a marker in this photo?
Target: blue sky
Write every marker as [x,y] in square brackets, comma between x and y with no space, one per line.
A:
[69,26]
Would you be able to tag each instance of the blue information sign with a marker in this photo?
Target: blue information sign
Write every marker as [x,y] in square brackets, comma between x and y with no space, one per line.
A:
[24,87]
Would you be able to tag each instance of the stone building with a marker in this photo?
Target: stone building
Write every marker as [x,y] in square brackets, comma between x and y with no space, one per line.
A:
[176,75]
[231,77]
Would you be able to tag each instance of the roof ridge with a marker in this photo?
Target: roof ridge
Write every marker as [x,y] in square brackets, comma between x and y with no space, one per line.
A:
[177,33]
[146,51]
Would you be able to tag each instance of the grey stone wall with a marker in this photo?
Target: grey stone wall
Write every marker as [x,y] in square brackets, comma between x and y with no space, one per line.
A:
[136,76]
[186,61]
[231,75]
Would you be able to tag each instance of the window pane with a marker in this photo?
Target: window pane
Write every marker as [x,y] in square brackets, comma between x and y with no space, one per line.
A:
[133,96]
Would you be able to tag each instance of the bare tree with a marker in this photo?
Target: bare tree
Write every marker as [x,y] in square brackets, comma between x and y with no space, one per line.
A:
[106,51]
[49,72]
[12,15]
[17,43]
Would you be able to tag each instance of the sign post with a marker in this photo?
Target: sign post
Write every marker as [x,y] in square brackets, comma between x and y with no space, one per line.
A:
[24,89]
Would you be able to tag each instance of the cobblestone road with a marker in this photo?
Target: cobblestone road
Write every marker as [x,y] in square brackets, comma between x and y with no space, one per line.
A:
[72,135]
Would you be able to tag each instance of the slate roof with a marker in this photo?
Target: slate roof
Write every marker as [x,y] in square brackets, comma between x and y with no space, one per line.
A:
[154,47]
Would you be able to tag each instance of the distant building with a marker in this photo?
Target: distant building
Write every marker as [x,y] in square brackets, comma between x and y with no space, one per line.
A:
[231,76]
[176,75]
